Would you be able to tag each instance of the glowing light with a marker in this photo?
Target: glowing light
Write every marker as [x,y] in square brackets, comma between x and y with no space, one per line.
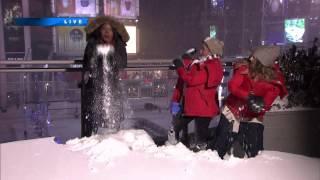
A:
[132,43]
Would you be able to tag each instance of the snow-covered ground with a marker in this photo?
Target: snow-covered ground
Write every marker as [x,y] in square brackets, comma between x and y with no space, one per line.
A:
[131,154]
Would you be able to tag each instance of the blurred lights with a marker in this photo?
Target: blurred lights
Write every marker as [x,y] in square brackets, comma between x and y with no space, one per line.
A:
[214,3]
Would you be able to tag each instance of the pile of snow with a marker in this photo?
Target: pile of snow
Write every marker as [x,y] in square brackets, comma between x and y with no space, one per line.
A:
[136,147]
[106,148]
[132,154]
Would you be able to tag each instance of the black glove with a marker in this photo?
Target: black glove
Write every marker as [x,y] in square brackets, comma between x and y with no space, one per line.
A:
[172,67]
[255,103]
[177,63]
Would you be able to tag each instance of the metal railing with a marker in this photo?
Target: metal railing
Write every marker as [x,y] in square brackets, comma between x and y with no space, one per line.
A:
[46,104]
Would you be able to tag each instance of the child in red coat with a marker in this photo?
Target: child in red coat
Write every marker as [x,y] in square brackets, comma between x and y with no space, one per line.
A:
[198,84]
[255,85]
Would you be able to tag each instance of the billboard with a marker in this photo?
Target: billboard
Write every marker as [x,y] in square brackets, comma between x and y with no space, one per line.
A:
[86,7]
[112,7]
[71,40]
[125,9]
[294,30]
[65,7]
[13,35]
[129,8]
[76,7]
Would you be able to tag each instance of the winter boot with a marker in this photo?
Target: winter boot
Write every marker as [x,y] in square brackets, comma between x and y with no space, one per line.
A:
[172,140]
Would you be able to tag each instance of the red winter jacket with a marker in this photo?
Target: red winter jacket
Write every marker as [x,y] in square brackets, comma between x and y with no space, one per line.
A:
[196,87]
[239,87]
[177,95]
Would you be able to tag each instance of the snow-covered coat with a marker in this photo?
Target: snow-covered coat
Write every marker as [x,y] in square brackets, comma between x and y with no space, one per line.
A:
[93,75]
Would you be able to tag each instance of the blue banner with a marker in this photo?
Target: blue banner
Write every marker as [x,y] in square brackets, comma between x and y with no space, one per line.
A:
[55,21]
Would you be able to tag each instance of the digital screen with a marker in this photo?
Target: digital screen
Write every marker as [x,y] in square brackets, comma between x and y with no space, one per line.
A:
[213,31]
[294,30]
[132,43]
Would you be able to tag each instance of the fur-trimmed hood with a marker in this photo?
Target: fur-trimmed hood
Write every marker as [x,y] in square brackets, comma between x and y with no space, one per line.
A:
[95,23]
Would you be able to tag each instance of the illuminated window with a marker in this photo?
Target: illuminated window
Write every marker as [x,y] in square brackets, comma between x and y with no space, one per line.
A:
[132,44]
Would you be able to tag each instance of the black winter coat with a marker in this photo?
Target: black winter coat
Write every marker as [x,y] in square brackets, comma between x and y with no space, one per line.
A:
[94,81]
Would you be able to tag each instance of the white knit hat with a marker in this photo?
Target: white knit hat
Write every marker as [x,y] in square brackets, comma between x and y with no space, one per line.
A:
[215,46]
[266,55]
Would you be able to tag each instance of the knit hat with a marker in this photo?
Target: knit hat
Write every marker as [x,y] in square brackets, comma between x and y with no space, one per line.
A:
[95,23]
[266,55]
[215,46]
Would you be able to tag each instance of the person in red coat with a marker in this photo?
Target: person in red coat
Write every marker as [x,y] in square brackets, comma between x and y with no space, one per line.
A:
[255,85]
[197,89]
[178,122]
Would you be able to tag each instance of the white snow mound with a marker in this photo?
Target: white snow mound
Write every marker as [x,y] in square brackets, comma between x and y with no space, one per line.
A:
[132,154]
[105,148]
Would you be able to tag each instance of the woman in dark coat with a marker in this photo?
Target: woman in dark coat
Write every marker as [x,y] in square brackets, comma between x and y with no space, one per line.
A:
[101,105]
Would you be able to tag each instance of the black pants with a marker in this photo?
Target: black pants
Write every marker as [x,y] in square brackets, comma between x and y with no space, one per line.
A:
[181,124]
[225,136]
[201,127]
[250,137]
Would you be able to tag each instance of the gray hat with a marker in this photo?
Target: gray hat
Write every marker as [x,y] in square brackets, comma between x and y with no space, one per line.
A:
[215,46]
[266,55]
